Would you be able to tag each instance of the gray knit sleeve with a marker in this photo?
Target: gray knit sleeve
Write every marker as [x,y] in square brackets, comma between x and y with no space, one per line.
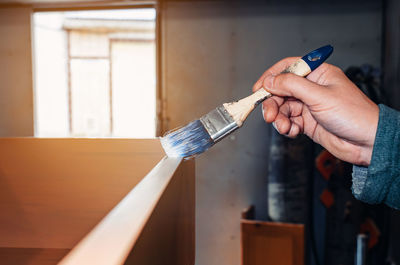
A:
[359,178]
[380,182]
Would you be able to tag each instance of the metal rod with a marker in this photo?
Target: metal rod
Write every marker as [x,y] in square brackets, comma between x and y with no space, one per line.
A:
[361,252]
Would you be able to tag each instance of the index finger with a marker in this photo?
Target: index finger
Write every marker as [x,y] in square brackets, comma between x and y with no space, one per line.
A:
[274,70]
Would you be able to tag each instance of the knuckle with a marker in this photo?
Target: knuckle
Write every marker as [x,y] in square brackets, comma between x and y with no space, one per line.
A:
[284,128]
[265,83]
[291,59]
[283,80]
[279,80]
[335,69]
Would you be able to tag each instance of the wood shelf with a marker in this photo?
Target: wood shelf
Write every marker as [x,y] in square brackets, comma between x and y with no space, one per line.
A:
[54,191]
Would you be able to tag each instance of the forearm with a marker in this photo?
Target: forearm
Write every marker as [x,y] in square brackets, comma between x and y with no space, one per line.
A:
[380,181]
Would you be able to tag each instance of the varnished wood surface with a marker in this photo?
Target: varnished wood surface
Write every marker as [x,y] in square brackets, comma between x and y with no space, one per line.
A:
[66,2]
[171,227]
[16,93]
[61,5]
[267,243]
[153,224]
[54,191]
[31,256]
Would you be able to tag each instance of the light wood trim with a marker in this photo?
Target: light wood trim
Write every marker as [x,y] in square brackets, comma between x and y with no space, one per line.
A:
[54,191]
[64,5]
[170,229]
[159,211]
[31,256]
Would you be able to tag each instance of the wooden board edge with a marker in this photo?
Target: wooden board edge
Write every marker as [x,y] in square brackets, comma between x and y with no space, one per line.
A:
[110,242]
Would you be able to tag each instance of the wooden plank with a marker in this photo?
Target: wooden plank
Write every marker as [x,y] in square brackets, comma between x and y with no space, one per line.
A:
[16,93]
[53,191]
[267,243]
[31,256]
[171,228]
[29,2]
[153,224]
[62,5]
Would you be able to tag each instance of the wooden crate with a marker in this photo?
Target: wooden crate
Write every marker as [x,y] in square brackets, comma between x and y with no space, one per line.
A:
[270,243]
[112,201]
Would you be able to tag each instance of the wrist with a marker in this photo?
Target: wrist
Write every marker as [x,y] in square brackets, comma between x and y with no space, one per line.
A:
[370,132]
[365,156]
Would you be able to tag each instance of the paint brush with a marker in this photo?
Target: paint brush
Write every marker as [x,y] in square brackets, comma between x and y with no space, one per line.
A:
[201,134]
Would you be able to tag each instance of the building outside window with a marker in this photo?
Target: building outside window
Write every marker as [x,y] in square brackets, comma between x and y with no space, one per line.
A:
[95,73]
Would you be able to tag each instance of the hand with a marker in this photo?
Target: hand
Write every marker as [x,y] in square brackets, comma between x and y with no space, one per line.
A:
[326,106]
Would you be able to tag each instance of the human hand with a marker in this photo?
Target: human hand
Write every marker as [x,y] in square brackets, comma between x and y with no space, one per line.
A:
[326,106]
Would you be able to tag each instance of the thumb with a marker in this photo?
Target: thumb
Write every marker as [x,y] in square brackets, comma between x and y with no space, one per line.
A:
[291,85]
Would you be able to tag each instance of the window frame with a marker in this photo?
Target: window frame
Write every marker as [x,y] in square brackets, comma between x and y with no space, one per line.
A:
[64,7]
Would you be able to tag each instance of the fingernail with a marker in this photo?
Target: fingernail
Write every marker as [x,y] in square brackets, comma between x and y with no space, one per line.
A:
[276,128]
[262,111]
[269,82]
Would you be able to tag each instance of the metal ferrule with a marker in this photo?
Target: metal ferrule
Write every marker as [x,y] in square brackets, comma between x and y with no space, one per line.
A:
[218,123]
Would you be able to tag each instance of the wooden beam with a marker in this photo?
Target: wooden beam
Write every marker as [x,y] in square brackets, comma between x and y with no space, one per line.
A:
[63,5]
[153,224]
[31,256]
[54,191]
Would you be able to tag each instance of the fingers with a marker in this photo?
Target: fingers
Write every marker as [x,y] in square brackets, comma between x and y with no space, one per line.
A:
[294,131]
[270,108]
[274,70]
[318,75]
[290,127]
[325,74]
[292,108]
[282,124]
[291,85]
[287,118]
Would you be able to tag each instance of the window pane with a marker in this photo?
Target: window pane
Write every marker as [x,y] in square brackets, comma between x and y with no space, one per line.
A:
[90,98]
[133,73]
[51,104]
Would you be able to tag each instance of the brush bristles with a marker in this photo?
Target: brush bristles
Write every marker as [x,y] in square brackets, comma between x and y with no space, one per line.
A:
[187,141]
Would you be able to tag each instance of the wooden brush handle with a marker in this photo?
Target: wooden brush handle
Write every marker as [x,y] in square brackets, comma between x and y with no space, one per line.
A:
[300,68]
[241,109]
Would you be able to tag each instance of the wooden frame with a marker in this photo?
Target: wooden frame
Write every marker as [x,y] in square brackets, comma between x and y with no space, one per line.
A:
[66,5]
[270,243]
[54,191]
[38,6]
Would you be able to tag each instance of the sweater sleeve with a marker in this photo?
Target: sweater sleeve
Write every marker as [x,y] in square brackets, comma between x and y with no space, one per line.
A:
[380,182]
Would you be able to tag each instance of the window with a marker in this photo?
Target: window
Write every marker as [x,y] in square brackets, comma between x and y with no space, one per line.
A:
[95,73]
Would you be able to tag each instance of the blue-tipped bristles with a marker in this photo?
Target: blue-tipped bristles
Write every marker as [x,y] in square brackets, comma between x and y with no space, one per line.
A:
[187,141]
[199,135]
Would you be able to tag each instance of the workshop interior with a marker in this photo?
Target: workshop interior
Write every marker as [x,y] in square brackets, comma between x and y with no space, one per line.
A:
[89,87]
